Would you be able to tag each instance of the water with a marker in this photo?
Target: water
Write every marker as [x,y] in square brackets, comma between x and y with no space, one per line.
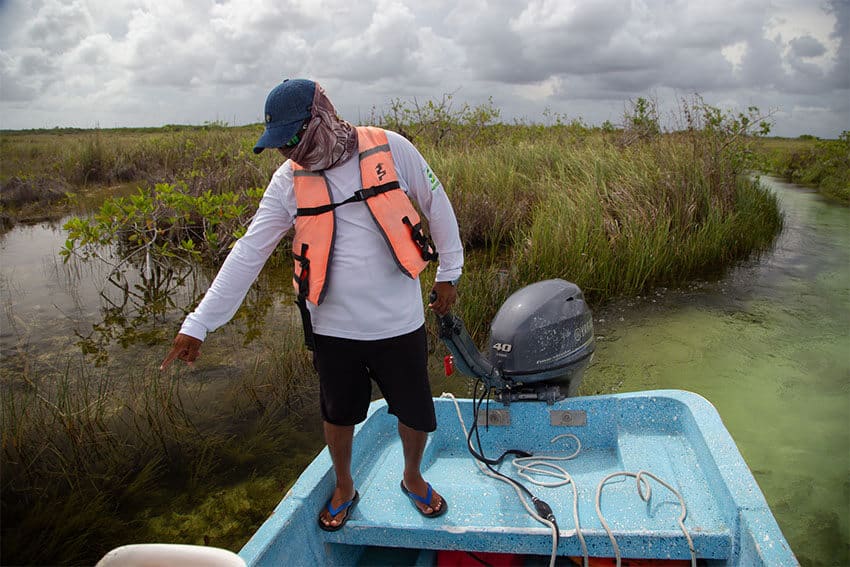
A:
[55,311]
[768,344]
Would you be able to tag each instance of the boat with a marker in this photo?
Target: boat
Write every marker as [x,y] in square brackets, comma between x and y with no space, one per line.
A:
[675,435]
[639,478]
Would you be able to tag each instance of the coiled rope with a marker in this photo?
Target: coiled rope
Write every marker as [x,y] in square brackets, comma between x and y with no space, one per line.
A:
[543,465]
[525,465]
[641,482]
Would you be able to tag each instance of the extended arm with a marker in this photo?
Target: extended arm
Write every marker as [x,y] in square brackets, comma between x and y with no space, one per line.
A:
[242,266]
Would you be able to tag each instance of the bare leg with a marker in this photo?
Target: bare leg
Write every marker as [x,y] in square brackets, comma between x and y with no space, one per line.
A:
[339,439]
[413,445]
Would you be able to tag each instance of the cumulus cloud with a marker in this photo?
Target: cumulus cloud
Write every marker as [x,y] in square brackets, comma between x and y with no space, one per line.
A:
[840,74]
[806,46]
[146,62]
[11,86]
[381,47]
[58,25]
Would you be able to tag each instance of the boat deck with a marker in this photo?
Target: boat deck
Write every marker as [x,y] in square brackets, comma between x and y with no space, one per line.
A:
[662,434]
[486,515]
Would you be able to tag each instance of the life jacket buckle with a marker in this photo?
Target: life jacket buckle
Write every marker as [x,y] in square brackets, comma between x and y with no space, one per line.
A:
[422,240]
[363,194]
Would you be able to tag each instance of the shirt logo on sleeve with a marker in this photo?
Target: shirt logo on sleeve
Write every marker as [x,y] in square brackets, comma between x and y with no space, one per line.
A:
[432,179]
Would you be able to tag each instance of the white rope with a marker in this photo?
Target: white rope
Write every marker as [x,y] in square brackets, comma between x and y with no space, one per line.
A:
[542,465]
[641,482]
[533,513]
[525,465]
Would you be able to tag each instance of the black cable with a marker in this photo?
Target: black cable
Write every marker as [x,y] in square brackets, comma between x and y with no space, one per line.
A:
[476,405]
[542,507]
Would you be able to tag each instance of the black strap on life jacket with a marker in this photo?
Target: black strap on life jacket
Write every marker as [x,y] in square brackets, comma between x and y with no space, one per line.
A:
[360,195]
[303,292]
[422,240]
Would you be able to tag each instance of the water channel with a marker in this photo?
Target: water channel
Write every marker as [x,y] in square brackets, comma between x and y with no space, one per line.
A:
[768,343]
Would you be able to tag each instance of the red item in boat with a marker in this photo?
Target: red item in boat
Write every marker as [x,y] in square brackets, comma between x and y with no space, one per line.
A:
[449,365]
[446,558]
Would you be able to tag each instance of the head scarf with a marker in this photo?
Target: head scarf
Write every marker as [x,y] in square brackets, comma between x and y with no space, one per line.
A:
[328,140]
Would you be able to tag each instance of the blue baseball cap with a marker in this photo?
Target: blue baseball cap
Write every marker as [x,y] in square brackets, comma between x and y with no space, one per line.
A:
[287,106]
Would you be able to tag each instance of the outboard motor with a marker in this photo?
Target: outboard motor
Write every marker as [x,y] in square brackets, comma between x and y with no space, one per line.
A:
[541,341]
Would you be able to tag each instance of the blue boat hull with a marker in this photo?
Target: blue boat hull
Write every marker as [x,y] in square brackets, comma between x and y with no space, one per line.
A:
[677,436]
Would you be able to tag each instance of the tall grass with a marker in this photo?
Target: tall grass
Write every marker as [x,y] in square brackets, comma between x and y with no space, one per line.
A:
[824,164]
[617,222]
[38,167]
[79,452]
[615,212]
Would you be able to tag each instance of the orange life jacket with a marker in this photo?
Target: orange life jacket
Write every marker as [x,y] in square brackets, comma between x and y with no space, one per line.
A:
[391,209]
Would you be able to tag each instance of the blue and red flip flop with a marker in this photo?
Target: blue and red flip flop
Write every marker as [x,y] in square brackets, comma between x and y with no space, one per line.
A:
[347,506]
[426,501]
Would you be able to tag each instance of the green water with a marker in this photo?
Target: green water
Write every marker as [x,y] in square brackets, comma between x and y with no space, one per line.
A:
[769,346]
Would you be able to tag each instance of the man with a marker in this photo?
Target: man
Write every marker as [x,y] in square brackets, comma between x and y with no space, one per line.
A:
[358,250]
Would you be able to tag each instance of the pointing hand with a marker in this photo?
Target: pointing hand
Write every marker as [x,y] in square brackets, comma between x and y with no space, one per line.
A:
[185,348]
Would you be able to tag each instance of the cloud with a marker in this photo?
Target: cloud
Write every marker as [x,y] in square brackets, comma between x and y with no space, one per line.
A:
[12,88]
[145,62]
[382,48]
[806,46]
[840,74]
[58,25]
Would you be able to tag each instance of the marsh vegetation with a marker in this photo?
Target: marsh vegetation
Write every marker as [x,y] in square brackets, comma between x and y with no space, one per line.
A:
[822,164]
[97,452]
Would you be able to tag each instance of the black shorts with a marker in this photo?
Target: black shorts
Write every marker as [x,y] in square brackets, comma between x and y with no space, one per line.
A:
[398,365]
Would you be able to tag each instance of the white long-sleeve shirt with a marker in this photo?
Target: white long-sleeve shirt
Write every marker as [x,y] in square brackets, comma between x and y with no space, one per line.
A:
[367,297]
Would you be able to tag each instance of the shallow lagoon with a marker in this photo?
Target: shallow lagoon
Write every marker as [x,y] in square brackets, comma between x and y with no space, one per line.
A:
[769,346]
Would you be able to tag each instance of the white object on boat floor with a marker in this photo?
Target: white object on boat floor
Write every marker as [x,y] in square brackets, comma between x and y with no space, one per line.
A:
[171,554]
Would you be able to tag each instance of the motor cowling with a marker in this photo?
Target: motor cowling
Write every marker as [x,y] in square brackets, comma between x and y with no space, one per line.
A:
[540,343]
[543,333]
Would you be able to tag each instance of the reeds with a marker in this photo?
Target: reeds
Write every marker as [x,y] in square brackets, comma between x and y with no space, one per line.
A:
[37,167]
[632,220]
[617,220]
[83,449]
[824,164]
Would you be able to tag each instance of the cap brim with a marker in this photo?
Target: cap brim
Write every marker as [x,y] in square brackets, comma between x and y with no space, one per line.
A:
[276,135]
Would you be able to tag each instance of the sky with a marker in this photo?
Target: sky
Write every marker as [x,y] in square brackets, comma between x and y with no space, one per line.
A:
[121,63]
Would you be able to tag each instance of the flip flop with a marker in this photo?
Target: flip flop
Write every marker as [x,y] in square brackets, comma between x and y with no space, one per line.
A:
[347,506]
[426,501]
